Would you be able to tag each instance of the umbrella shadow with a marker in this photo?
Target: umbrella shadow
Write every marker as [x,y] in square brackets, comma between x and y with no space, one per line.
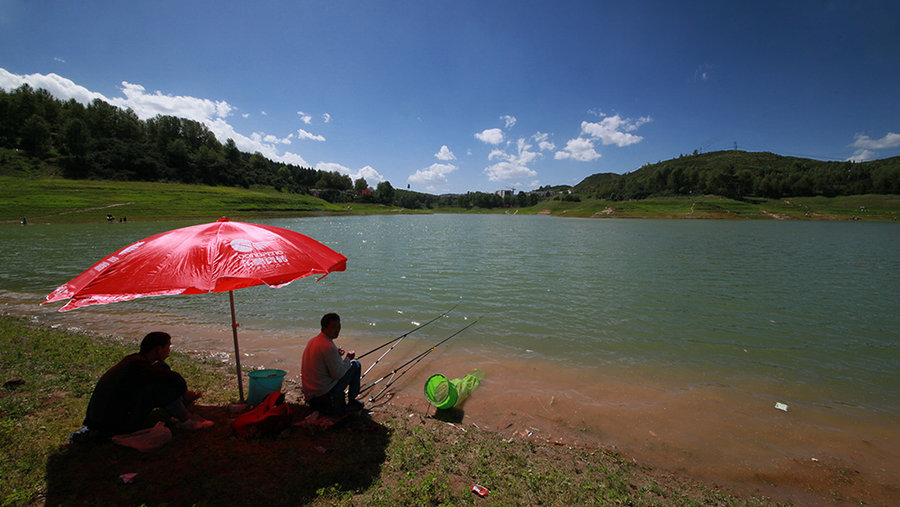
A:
[212,466]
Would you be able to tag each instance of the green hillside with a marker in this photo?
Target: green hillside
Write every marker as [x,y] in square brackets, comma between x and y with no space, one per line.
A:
[740,174]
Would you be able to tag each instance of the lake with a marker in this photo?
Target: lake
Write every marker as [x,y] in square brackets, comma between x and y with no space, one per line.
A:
[671,339]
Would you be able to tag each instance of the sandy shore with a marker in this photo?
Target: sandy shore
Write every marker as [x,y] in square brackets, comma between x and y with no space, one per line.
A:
[721,435]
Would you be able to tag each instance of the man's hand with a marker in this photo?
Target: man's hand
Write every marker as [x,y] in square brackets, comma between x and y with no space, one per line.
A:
[351,354]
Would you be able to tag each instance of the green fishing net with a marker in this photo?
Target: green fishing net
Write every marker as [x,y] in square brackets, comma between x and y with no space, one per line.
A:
[444,393]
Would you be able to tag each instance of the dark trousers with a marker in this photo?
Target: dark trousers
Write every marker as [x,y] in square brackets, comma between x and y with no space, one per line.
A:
[334,399]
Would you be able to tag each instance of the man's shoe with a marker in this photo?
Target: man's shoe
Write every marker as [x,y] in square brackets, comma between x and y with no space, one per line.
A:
[355,406]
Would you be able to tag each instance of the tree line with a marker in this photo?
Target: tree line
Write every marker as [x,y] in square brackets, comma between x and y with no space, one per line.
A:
[739,174]
[102,141]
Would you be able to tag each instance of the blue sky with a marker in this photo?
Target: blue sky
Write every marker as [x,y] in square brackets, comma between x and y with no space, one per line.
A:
[453,96]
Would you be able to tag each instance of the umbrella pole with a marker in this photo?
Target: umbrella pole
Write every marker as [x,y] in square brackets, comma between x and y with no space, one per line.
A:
[237,352]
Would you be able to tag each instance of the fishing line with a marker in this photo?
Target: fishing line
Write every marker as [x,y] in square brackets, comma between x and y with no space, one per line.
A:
[398,339]
[409,365]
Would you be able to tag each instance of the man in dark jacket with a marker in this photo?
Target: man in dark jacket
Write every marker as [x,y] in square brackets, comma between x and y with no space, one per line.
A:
[127,393]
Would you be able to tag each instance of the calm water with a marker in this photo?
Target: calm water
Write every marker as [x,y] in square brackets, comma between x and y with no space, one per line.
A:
[806,304]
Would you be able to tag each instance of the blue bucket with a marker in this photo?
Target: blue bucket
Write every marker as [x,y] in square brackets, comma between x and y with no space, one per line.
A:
[263,383]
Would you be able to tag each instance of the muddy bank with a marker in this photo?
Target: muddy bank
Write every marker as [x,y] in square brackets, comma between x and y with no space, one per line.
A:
[720,434]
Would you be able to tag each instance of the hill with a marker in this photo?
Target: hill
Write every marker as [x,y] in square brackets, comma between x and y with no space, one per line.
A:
[739,174]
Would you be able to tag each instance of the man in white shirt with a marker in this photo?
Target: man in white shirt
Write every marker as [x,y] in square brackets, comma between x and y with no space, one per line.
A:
[327,370]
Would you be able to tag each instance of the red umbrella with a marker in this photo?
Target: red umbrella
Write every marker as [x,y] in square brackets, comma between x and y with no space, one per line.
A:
[216,257]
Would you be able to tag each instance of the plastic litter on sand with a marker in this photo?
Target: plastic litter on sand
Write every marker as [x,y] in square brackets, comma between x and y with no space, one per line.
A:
[480,490]
[781,406]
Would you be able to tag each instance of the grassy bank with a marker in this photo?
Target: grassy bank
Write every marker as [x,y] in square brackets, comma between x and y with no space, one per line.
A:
[395,456]
[857,207]
[81,201]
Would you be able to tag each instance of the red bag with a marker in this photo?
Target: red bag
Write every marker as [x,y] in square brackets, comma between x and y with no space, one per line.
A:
[270,416]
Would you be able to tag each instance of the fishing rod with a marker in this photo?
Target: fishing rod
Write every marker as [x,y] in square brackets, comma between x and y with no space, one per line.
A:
[398,339]
[415,360]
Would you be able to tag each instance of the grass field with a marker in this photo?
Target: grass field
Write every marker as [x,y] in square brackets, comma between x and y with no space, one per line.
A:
[861,207]
[74,201]
[51,200]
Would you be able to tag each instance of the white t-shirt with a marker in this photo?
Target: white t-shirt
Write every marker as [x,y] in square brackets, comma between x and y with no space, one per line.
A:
[321,367]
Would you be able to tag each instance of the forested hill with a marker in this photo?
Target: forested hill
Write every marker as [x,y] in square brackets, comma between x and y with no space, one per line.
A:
[42,135]
[739,174]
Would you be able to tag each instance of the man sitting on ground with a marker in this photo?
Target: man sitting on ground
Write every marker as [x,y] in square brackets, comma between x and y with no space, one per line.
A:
[129,391]
[327,370]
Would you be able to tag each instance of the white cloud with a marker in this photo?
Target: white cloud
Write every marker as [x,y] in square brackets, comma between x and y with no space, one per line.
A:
[291,158]
[609,130]
[890,140]
[862,155]
[148,105]
[512,165]
[305,118]
[579,149]
[435,174]
[302,134]
[367,172]
[508,170]
[58,59]
[245,115]
[264,113]
[370,174]
[866,146]
[211,113]
[509,120]
[615,130]
[543,141]
[58,86]
[326,117]
[269,138]
[445,154]
[490,136]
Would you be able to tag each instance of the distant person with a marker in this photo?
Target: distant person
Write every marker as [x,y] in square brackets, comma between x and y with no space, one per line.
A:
[110,218]
[24,221]
[129,391]
[327,370]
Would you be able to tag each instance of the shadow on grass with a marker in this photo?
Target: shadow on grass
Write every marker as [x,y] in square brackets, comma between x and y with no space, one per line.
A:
[450,415]
[214,467]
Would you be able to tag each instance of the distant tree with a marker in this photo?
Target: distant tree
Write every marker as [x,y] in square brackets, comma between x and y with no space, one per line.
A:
[35,136]
[384,193]
[75,137]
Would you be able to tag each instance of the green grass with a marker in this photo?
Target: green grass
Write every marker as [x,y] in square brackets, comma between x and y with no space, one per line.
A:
[877,207]
[393,458]
[71,201]
[55,200]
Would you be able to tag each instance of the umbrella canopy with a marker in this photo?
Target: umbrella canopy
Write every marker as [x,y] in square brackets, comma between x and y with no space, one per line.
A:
[217,257]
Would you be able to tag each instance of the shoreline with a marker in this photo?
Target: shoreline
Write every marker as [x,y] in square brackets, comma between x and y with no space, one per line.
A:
[710,432]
